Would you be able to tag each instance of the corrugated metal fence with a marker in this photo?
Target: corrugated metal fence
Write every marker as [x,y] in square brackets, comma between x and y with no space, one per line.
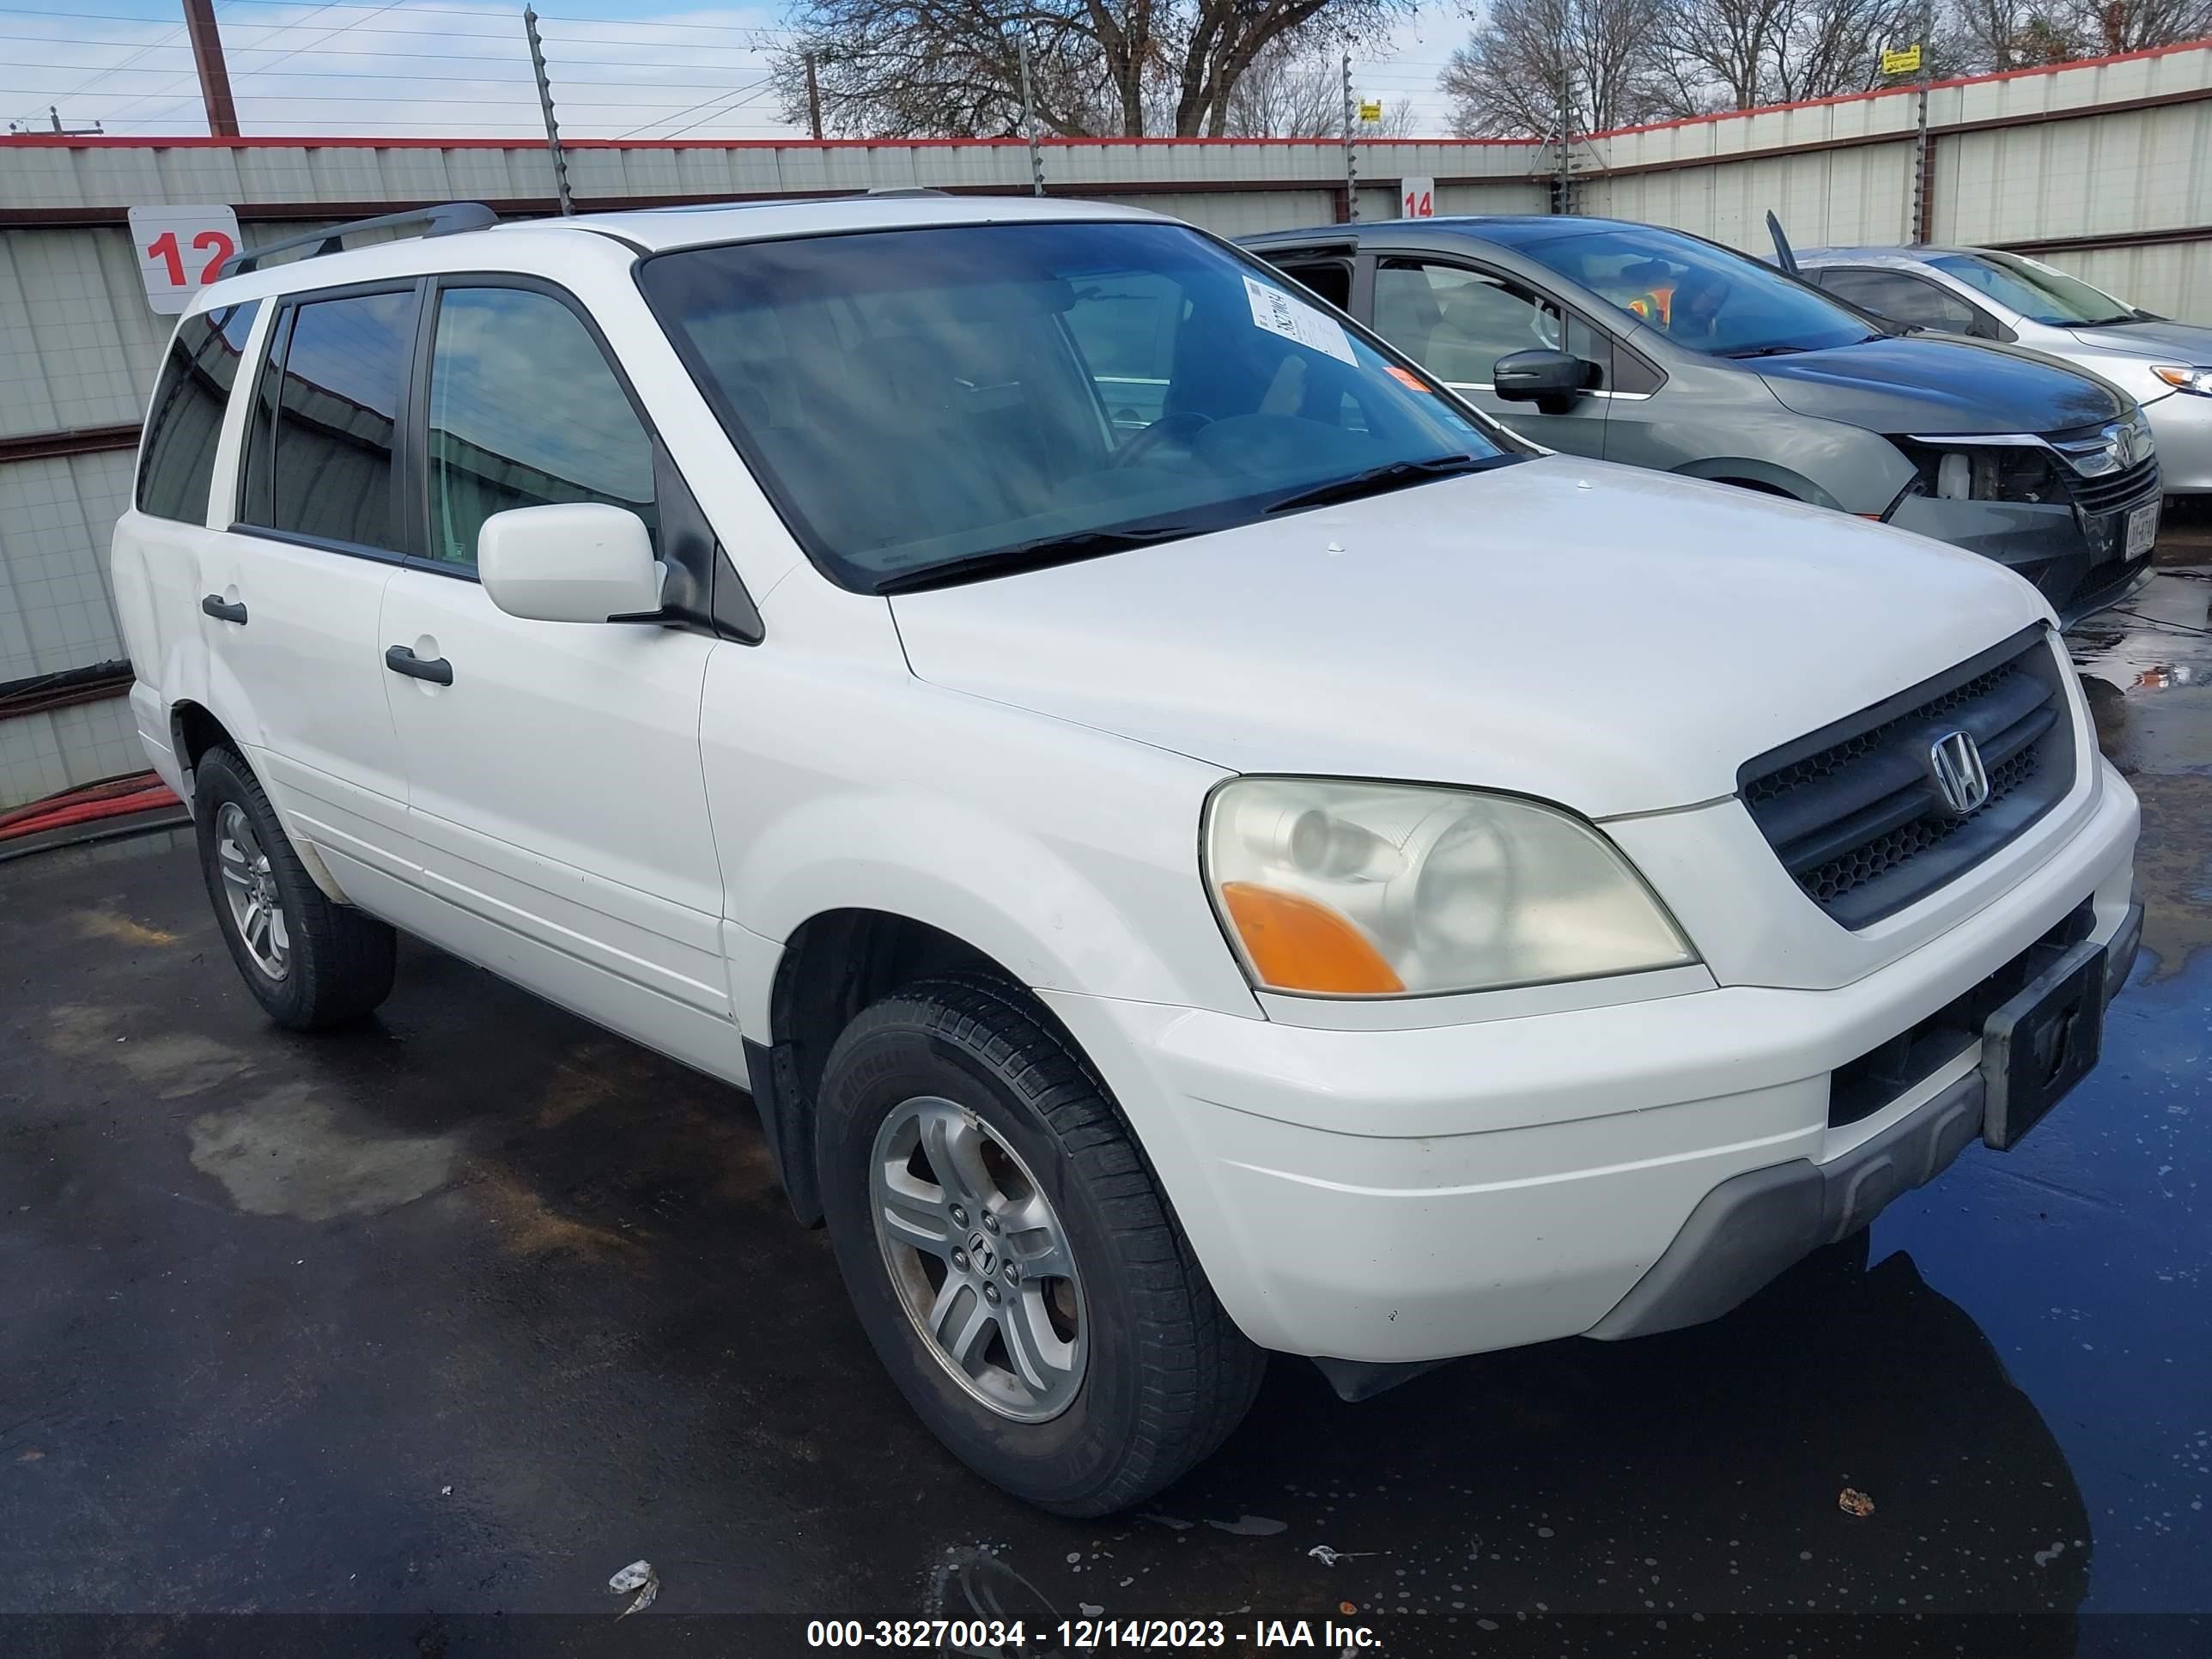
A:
[2098,167]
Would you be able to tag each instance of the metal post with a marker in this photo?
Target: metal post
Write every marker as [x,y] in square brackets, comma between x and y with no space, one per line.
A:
[813,100]
[1029,116]
[1351,166]
[214,77]
[545,107]
[1562,178]
[1923,158]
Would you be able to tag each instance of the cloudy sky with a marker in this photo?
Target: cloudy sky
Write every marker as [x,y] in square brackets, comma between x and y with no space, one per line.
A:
[640,69]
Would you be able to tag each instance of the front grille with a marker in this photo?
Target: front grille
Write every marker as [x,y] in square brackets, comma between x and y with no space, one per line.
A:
[2129,486]
[1853,811]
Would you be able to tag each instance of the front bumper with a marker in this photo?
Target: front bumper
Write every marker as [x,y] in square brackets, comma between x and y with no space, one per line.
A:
[1396,1196]
[2077,561]
[1756,1226]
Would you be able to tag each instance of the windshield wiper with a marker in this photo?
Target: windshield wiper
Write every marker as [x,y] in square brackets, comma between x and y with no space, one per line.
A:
[1776,350]
[1032,555]
[2108,322]
[1378,480]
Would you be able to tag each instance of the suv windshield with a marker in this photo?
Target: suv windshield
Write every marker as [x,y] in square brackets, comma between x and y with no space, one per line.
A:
[2035,291]
[1706,298]
[931,404]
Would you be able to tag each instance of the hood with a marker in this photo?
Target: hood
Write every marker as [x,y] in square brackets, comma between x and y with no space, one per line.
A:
[2166,343]
[1912,384]
[1613,640]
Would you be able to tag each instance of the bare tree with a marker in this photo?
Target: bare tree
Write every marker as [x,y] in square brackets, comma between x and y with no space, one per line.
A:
[1527,57]
[1295,89]
[948,69]
[1288,93]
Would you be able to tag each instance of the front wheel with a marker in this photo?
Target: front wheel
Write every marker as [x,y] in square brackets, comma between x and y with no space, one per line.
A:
[1011,1259]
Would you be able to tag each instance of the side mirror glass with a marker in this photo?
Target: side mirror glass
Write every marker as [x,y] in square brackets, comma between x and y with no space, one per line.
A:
[575,561]
[1553,380]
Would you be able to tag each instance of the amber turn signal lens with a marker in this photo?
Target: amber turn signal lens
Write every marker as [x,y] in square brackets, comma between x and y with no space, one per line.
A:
[1297,945]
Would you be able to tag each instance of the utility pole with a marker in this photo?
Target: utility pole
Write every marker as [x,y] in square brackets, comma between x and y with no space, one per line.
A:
[546,108]
[1029,116]
[813,100]
[1351,166]
[54,116]
[215,76]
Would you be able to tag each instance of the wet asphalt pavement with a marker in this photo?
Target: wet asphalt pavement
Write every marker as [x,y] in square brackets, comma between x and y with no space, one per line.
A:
[445,1319]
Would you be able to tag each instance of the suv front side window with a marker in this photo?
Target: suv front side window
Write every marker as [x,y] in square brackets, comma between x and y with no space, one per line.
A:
[1459,322]
[524,412]
[961,370]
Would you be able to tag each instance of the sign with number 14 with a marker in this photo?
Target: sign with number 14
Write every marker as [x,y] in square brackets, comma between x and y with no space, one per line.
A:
[1416,199]
[179,251]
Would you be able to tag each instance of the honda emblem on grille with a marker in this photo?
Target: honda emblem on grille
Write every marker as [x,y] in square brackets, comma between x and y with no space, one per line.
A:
[1955,763]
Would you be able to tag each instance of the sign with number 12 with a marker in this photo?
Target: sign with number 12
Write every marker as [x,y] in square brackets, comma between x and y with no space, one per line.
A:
[1416,199]
[179,251]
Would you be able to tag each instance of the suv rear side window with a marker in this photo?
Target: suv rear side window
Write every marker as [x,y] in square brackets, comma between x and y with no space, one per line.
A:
[320,460]
[524,411]
[186,417]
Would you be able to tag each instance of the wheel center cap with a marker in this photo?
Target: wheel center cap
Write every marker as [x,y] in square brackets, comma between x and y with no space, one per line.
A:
[980,1253]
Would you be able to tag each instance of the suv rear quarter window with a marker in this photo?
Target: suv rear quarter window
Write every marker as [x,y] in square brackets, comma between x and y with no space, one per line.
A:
[176,464]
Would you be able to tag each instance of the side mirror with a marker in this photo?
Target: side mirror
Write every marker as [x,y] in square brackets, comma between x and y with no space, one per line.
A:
[576,562]
[1553,380]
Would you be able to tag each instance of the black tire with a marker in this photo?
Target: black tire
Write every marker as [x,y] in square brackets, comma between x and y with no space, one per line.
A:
[340,962]
[1168,1376]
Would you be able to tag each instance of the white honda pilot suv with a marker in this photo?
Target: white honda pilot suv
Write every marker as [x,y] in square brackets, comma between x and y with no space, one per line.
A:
[1197,843]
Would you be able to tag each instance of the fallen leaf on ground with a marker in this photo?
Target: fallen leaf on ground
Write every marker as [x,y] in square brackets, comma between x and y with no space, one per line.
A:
[1852,1502]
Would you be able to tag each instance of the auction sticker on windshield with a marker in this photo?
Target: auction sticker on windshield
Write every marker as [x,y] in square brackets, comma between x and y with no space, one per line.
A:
[1276,312]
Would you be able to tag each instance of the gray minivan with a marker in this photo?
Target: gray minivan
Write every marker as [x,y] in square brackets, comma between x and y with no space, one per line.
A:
[1634,344]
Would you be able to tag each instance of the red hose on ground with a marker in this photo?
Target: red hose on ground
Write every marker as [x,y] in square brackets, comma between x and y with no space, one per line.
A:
[113,798]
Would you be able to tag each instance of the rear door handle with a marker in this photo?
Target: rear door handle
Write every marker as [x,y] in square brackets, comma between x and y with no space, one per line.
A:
[437,670]
[223,610]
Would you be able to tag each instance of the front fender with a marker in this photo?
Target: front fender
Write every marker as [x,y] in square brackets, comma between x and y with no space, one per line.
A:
[1050,912]
[1069,856]
[1745,469]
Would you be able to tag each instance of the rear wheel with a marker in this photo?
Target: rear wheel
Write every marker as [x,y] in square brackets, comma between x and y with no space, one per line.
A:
[1011,1258]
[309,963]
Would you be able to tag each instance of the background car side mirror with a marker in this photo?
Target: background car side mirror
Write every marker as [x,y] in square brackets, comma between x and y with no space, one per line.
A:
[580,561]
[1553,380]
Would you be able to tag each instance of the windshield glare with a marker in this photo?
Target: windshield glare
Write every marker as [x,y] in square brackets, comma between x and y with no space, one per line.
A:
[915,398]
[1700,296]
[2035,291]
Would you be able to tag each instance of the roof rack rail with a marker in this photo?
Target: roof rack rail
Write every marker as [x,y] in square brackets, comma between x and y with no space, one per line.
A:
[907,190]
[446,219]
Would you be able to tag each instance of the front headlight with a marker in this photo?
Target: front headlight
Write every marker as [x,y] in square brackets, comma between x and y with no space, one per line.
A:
[2184,378]
[1329,887]
[1985,472]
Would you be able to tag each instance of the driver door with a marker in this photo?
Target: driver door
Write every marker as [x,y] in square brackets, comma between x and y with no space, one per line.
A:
[1457,322]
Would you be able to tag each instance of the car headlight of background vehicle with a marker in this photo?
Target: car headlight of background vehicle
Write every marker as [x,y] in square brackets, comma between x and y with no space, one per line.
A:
[1330,887]
[2184,378]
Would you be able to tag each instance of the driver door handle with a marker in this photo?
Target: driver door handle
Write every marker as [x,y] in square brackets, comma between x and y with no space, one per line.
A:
[223,610]
[437,670]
